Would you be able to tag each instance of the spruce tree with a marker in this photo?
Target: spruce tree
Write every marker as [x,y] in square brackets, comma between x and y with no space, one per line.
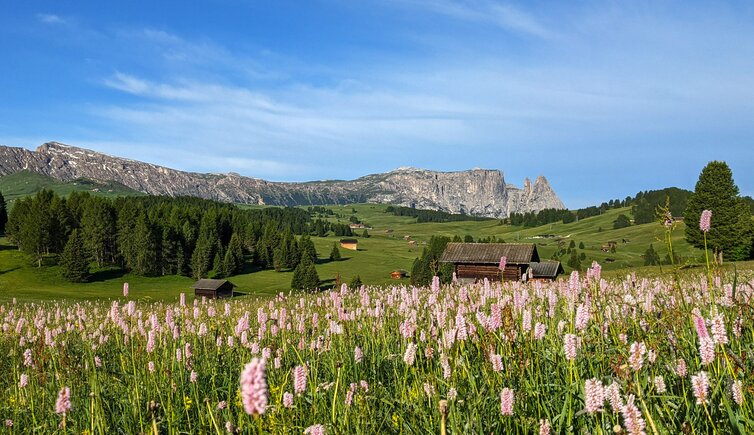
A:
[306,248]
[731,230]
[75,259]
[233,261]
[355,282]
[574,262]
[3,214]
[335,252]
[650,256]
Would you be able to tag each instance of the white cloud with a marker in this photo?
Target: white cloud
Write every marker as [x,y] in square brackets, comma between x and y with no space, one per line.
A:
[50,19]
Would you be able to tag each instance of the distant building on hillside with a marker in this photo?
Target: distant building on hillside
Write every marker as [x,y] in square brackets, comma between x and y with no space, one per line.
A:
[544,271]
[476,261]
[398,274]
[213,288]
[351,244]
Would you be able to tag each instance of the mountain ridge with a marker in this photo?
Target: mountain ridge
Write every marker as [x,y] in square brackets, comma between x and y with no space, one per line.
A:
[481,192]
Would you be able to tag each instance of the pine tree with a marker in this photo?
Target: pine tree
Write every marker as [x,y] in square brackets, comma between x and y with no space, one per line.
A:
[3,213]
[278,258]
[365,234]
[581,245]
[731,231]
[335,252]
[574,262]
[75,259]
[650,256]
[233,261]
[306,248]
[355,282]
[146,261]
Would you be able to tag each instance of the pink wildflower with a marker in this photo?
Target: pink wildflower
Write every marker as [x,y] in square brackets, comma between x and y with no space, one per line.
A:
[736,390]
[497,362]
[705,221]
[150,366]
[23,381]
[63,404]
[700,383]
[636,357]
[632,417]
[28,362]
[660,384]
[506,401]
[299,379]
[316,429]
[254,387]
[680,368]
[570,345]
[358,355]
[452,394]
[194,375]
[706,350]
[594,395]
[125,289]
[288,400]
[222,405]
[410,354]
[582,317]
[544,427]
[539,331]
[719,335]
[502,263]
[612,392]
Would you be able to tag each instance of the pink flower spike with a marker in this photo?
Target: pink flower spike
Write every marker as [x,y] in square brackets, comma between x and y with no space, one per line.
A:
[506,401]
[503,262]
[63,404]
[705,221]
[125,289]
[254,387]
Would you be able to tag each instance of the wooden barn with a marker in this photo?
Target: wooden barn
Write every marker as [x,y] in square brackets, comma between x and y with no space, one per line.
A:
[351,244]
[545,271]
[476,261]
[213,288]
[398,274]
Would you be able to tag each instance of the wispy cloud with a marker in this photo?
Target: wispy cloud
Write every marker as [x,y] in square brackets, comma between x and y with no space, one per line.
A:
[50,19]
[503,15]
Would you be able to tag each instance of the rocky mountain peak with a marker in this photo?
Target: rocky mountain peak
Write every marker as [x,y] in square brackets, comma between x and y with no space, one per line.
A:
[477,191]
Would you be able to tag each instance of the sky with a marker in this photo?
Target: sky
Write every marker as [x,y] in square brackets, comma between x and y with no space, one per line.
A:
[604,98]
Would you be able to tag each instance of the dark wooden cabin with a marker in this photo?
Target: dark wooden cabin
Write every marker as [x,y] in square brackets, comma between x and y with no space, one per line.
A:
[545,271]
[476,261]
[213,288]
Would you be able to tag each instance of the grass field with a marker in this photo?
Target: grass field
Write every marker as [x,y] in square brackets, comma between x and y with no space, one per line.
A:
[378,255]
[26,183]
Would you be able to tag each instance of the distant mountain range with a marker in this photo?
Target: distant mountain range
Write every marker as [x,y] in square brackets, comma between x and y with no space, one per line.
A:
[480,192]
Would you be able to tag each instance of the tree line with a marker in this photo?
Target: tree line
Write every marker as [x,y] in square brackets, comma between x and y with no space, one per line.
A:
[431,215]
[154,235]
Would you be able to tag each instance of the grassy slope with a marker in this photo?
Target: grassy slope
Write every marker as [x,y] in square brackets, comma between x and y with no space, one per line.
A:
[377,256]
[26,183]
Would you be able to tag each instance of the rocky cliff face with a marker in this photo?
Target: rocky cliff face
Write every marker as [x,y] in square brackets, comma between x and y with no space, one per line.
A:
[478,191]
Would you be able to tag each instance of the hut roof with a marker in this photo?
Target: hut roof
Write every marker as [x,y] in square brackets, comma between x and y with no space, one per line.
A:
[546,269]
[210,284]
[349,241]
[490,253]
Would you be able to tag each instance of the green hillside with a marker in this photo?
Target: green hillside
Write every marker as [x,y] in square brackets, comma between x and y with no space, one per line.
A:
[384,251]
[26,183]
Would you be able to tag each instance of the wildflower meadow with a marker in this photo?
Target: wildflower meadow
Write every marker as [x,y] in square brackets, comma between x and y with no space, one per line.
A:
[583,354]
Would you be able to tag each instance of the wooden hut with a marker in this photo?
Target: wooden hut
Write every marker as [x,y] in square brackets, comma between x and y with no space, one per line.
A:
[398,274]
[476,261]
[351,244]
[213,288]
[545,271]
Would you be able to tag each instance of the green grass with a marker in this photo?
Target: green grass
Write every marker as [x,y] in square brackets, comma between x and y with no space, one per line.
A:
[25,183]
[378,255]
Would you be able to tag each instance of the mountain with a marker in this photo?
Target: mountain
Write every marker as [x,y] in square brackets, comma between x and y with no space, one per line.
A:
[479,192]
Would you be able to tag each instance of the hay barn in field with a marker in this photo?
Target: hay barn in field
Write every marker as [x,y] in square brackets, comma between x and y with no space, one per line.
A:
[545,271]
[351,244]
[476,261]
[213,288]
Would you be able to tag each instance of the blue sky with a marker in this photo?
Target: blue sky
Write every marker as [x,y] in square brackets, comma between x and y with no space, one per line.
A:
[604,98]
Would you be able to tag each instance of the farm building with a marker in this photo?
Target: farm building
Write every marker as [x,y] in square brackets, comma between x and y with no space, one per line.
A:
[398,274]
[351,244]
[476,261]
[213,288]
[545,270]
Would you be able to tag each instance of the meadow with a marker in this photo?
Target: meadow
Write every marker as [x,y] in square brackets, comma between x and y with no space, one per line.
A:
[586,354]
[384,251]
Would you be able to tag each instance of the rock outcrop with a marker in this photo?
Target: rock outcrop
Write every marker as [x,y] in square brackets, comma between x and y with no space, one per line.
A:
[478,192]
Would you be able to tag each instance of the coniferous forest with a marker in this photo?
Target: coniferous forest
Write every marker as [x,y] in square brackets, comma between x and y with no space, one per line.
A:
[153,236]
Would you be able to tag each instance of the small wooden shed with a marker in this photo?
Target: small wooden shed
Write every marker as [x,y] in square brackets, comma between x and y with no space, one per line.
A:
[545,271]
[351,244]
[213,288]
[398,274]
[476,261]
